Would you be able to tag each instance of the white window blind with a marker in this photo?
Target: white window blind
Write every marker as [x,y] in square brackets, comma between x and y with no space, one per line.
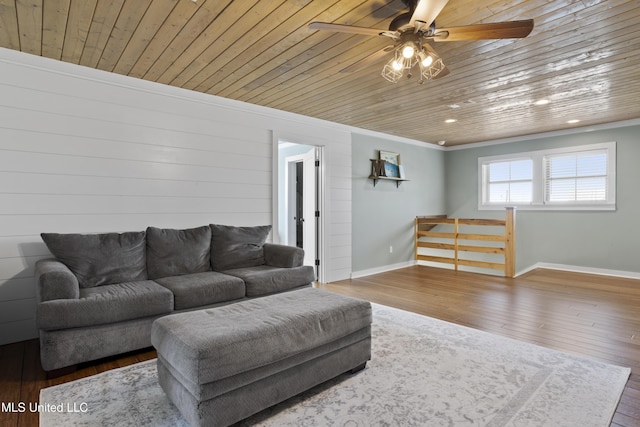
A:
[576,177]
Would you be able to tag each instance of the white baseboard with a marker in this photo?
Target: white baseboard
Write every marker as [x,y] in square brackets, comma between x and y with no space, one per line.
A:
[371,271]
[580,269]
[547,265]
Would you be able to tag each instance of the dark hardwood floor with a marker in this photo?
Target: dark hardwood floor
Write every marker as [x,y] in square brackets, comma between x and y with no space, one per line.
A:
[594,316]
[590,315]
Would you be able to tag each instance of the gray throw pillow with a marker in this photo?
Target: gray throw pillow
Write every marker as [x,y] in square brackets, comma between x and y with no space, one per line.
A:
[173,252]
[237,247]
[100,259]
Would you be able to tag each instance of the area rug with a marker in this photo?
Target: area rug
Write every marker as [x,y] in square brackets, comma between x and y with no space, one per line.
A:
[423,372]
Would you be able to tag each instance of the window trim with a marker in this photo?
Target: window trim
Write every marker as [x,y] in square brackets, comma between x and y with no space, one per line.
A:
[539,180]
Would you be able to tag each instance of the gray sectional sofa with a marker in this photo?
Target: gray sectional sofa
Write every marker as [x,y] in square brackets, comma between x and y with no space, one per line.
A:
[100,294]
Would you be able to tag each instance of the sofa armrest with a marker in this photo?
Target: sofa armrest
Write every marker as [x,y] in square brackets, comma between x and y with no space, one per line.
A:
[54,280]
[283,256]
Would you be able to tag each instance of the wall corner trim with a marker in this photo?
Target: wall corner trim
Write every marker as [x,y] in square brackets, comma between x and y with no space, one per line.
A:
[381,269]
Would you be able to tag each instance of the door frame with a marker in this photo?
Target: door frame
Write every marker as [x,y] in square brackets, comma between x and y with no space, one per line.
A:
[279,213]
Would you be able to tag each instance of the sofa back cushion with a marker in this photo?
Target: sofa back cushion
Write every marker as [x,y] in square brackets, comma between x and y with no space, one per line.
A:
[237,247]
[101,259]
[173,252]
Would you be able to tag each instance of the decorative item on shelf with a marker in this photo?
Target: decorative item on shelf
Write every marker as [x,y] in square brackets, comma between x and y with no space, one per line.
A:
[391,163]
[387,166]
[377,168]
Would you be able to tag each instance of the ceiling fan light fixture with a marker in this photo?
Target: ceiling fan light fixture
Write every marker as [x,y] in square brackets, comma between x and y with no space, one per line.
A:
[408,51]
[392,70]
[430,72]
[429,63]
[425,60]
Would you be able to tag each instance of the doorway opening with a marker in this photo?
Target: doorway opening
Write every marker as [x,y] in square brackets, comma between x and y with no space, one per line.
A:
[299,204]
[300,213]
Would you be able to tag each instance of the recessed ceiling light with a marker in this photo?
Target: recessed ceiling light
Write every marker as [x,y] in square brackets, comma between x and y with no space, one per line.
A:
[450,121]
[442,142]
[541,102]
[453,105]
[573,121]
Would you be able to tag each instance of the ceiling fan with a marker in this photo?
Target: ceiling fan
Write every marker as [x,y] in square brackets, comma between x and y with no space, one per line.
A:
[412,30]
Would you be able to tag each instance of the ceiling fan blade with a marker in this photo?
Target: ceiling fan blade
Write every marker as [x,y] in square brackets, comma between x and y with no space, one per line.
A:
[367,60]
[430,50]
[427,10]
[497,30]
[340,28]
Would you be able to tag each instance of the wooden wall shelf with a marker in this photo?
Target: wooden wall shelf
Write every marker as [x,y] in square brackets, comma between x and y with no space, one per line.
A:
[386,178]
[378,172]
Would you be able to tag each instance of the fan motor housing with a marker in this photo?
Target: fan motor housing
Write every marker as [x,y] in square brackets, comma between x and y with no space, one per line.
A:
[400,21]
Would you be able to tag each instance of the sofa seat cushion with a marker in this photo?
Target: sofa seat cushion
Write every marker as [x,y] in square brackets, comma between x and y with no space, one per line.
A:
[198,289]
[172,252]
[265,279]
[106,304]
[101,259]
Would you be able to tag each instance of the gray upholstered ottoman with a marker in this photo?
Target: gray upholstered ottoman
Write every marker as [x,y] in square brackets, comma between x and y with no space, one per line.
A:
[221,365]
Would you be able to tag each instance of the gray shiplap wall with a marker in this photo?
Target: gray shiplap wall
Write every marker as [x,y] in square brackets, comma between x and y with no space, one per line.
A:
[86,151]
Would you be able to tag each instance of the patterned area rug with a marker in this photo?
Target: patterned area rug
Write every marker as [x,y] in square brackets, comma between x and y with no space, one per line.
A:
[423,372]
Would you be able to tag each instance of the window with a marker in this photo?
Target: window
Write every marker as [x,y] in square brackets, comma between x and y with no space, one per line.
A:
[576,177]
[509,181]
[568,178]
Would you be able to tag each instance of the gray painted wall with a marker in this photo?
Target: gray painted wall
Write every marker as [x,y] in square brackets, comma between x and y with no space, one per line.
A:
[383,216]
[604,240]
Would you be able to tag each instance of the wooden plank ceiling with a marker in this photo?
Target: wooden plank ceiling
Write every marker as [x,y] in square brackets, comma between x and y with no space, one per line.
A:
[583,56]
